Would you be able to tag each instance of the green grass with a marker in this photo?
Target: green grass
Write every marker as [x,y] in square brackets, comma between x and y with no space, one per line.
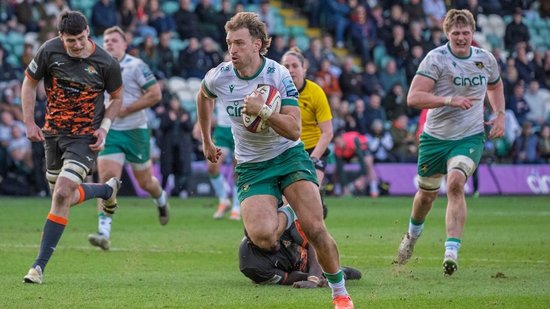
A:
[192,262]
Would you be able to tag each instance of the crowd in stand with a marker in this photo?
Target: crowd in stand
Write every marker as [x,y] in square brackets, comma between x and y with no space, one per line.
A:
[382,43]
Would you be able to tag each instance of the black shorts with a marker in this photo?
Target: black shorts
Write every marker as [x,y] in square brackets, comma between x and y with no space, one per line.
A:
[323,159]
[77,148]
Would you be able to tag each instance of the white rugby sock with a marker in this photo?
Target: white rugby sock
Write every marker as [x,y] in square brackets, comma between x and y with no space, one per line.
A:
[104,225]
[161,200]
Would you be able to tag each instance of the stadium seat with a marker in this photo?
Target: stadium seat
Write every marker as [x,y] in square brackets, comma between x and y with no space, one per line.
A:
[176,84]
[497,25]
[177,45]
[194,84]
[303,42]
[379,53]
[483,22]
[169,7]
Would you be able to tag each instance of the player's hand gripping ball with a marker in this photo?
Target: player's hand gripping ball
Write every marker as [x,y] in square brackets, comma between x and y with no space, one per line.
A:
[272,104]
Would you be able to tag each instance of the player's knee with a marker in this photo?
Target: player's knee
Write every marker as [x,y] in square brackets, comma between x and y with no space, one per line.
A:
[461,164]
[429,184]
[427,197]
[74,171]
[316,231]
[266,241]
[51,177]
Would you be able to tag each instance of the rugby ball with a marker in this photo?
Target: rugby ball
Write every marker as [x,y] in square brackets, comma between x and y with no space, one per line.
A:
[271,98]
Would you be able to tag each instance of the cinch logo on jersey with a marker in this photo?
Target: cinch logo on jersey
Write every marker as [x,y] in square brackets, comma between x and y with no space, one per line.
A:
[235,109]
[470,81]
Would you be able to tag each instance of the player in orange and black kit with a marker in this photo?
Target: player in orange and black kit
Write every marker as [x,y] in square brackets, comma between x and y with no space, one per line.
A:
[295,263]
[76,75]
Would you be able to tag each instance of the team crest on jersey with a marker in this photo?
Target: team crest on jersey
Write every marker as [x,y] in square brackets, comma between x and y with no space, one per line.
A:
[270,70]
[91,70]
[479,64]
[424,168]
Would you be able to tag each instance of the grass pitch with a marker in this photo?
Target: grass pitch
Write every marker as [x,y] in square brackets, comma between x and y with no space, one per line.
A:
[192,262]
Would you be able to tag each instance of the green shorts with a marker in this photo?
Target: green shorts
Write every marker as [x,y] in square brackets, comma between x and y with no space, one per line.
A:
[273,176]
[134,144]
[434,153]
[223,138]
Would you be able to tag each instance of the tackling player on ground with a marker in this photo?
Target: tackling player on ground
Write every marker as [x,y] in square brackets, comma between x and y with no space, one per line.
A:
[273,162]
[452,82]
[129,137]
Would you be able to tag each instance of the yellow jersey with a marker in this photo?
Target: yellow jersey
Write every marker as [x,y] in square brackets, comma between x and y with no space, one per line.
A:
[315,109]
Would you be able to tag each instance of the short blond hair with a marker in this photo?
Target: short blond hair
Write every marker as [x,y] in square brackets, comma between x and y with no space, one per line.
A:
[255,26]
[456,17]
[116,29]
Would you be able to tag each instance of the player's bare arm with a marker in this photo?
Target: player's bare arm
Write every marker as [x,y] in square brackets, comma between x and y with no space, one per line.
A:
[421,96]
[495,93]
[111,110]
[205,106]
[28,100]
[150,97]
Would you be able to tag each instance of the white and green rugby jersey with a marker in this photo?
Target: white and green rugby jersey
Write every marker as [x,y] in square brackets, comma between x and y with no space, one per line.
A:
[222,118]
[458,76]
[229,89]
[136,77]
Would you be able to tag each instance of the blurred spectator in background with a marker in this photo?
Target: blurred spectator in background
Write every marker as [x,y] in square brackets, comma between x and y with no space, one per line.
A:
[517,103]
[415,11]
[350,81]
[362,33]
[435,11]
[415,36]
[359,120]
[544,143]
[538,66]
[369,77]
[404,142]
[398,47]
[539,103]
[165,55]
[127,15]
[327,80]
[148,53]
[7,72]
[277,49]
[516,31]
[395,103]
[336,19]
[55,7]
[392,75]
[436,38]
[380,142]
[189,60]
[212,55]
[104,15]
[186,20]
[208,20]
[526,70]
[525,146]
[31,14]
[413,61]
[314,57]
[158,20]
[267,16]
[352,147]
[176,146]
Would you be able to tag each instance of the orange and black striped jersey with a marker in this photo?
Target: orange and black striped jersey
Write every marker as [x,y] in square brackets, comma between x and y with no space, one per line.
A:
[75,87]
